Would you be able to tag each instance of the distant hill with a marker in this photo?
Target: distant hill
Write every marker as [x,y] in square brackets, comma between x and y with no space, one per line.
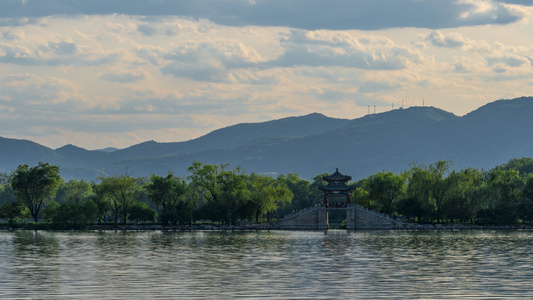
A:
[14,152]
[234,136]
[313,144]
[108,149]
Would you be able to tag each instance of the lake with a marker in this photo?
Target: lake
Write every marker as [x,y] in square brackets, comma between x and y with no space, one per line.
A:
[266,264]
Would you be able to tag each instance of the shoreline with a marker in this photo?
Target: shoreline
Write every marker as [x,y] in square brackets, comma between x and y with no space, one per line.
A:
[258,227]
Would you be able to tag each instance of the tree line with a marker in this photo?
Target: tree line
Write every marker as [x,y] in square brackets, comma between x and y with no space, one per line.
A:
[217,193]
[212,193]
[438,194]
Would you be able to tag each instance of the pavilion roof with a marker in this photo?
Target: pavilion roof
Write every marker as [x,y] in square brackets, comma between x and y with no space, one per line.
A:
[337,176]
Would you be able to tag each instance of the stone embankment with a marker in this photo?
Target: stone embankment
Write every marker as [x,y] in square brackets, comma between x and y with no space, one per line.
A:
[148,227]
[416,226]
[276,226]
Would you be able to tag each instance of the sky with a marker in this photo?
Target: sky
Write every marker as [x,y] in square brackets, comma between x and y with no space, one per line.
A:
[114,73]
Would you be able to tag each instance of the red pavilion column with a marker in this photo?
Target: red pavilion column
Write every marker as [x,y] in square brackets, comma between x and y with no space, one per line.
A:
[349,198]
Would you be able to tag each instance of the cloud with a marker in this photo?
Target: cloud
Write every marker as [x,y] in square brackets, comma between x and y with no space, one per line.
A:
[304,48]
[54,53]
[20,21]
[171,26]
[257,77]
[15,34]
[204,61]
[152,54]
[336,96]
[62,47]
[303,14]
[376,87]
[508,59]
[31,95]
[147,30]
[223,61]
[186,102]
[209,70]
[125,76]
[519,2]
[459,68]
[453,40]
[499,70]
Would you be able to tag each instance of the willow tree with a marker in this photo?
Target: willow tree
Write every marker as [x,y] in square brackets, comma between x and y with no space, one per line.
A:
[427,190]
[33,186]
[167,193]
[267,194]
[121,191]
[384,189]
[225,194]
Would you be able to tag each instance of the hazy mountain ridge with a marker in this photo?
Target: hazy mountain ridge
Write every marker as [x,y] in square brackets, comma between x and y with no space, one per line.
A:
[14,152]
[313,144]
[233,136]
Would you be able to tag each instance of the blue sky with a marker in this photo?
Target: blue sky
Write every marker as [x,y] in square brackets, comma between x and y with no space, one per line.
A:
[115,73]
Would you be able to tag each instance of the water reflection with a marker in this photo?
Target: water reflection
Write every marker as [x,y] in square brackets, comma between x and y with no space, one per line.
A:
[288,265]
[33,258]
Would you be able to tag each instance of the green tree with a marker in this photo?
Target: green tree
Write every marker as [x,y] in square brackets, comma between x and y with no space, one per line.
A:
[121,191]
[50,211]
[14,211]
[384,189]
[233,195]
[74,191]
[205,176]
[267,194]
[70,213]
[7,194]
[461,201]
[5,179]
[301,190]
[186,208]
[526,203]
[418,203]
[224,192]
[523,165]
[142,212]
[316,196]
[168,193]
[103,203]
[426,190]
[33,186]
[361,197]
[503,197]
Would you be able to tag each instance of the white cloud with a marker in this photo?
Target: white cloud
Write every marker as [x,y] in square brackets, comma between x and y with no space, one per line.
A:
[30,94]
[125,76]
[333,49]
[257,77]
[209,61]
[453,40]
[508,59]
[53,53]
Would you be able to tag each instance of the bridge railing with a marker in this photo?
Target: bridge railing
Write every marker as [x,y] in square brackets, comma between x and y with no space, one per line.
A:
[301,212]
[373,212]
[316,207]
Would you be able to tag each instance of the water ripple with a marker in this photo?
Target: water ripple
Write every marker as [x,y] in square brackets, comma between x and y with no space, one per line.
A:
[269,265]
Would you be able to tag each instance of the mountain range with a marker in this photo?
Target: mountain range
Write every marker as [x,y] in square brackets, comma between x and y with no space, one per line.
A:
[312,144]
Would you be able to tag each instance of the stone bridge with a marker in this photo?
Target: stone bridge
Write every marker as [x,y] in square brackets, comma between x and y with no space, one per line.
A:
[357,218]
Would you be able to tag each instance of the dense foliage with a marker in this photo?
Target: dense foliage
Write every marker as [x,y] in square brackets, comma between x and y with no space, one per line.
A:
[217,193]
